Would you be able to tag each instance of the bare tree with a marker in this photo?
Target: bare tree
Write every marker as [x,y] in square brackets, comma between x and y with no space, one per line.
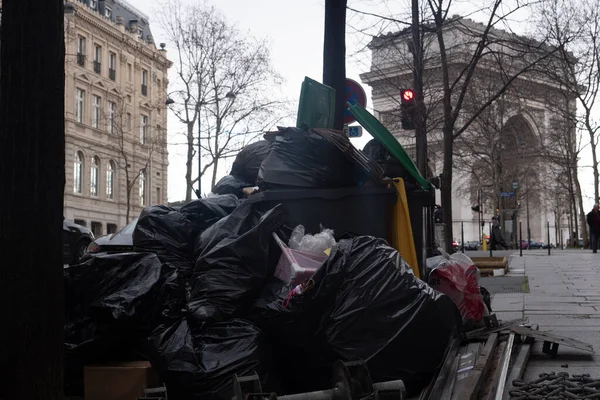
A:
[575,30]
[467,53]
[225,88]
[136,144]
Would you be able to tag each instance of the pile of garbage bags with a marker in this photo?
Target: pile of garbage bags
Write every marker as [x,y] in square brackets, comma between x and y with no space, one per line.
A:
[200,300]
[293,158]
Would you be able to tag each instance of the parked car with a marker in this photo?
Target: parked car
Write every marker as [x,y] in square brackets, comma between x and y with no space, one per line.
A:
[76,239]
[532,244]
[472,245]
[545,245]
[120,242]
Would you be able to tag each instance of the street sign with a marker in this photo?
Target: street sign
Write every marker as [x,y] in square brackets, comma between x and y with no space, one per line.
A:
[353,131]
[354,94]
[507,194]
[515,185]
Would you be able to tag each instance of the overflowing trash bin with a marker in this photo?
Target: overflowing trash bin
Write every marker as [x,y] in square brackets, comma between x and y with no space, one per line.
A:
[283,284]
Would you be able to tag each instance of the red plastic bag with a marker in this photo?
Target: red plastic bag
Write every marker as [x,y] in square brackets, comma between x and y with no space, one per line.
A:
[457,277]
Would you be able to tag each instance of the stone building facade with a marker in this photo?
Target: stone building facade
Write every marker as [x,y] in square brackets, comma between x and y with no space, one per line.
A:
[522,118]
[115,115]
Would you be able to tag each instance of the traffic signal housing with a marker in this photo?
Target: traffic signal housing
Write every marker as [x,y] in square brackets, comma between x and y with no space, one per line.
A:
[407,108]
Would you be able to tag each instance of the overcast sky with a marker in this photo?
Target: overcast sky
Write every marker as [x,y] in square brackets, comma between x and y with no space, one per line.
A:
[295,32]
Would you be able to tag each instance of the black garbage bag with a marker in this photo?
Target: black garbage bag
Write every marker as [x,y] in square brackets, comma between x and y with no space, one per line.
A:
[204,212]
[303,159]
[232,185]
[201,364]
[233,263]
[365,303]
[167,233]
[248,161]
[109,303]
[392,168]
[109,294]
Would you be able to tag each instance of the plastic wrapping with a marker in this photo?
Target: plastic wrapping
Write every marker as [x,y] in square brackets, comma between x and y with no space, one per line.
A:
[247,162]
[456,276]
[364,304]
[315,244]
[233,263]
[201,364]
[303,159]
[232,185]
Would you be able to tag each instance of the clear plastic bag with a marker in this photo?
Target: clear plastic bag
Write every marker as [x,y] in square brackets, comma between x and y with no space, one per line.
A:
[315,244]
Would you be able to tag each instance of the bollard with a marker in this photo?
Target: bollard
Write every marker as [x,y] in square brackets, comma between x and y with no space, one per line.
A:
[548,228]
[520,240]
[491,238]
[462,236]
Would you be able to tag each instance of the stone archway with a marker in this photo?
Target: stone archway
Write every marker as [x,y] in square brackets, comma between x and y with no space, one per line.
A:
[519,177]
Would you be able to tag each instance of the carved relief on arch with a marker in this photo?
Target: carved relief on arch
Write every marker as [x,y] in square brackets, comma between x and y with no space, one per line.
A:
[123,58]
[137,66]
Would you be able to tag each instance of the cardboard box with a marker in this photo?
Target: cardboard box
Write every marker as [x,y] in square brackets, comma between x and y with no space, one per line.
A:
[118,381]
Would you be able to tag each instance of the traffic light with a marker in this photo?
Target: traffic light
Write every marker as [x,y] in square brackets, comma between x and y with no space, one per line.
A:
[475,208]
[407,108]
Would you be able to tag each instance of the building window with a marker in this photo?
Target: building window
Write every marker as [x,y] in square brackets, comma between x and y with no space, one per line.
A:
[108,12]
[96,228]
[94,175]
[158,199]
[110,180]
[80,222]
[140,33]
[128,121]
[96,109]
[143,128]
[81,51]
[97,59]
[144,82]
[129,72]
[78,172]
[142,185]
[79,105]
[112,66]
[111,229]
[94,4]
[110,117]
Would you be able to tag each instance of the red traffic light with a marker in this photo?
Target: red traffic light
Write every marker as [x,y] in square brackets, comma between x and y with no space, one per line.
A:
[408,95]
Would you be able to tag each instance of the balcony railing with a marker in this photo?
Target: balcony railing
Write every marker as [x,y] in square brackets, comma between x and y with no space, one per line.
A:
[112,74]
[97,67]
[80,59]
[144,90]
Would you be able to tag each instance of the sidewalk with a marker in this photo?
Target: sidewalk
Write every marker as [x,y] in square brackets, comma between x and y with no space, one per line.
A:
[564,299]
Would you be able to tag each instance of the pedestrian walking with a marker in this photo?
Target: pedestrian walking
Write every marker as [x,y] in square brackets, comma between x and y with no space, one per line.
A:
[496,239]
[593,220]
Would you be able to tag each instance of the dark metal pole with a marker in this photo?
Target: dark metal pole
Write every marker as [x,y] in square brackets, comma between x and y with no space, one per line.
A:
[479,195]
[548,228]
[491,239]
[334,55]
[199,192]
[462,236]
[528,228]
[520,240]
[420,126]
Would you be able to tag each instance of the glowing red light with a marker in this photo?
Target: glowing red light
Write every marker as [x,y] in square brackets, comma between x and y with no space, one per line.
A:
[408,95]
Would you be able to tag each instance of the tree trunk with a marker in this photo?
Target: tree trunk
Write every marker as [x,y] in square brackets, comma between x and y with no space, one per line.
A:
[32,150]
[584,232]
[447,188]
[334,55]
[189,162]
[594,146]
[128,197]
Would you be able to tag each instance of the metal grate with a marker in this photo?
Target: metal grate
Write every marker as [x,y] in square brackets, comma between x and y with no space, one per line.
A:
[506,284]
